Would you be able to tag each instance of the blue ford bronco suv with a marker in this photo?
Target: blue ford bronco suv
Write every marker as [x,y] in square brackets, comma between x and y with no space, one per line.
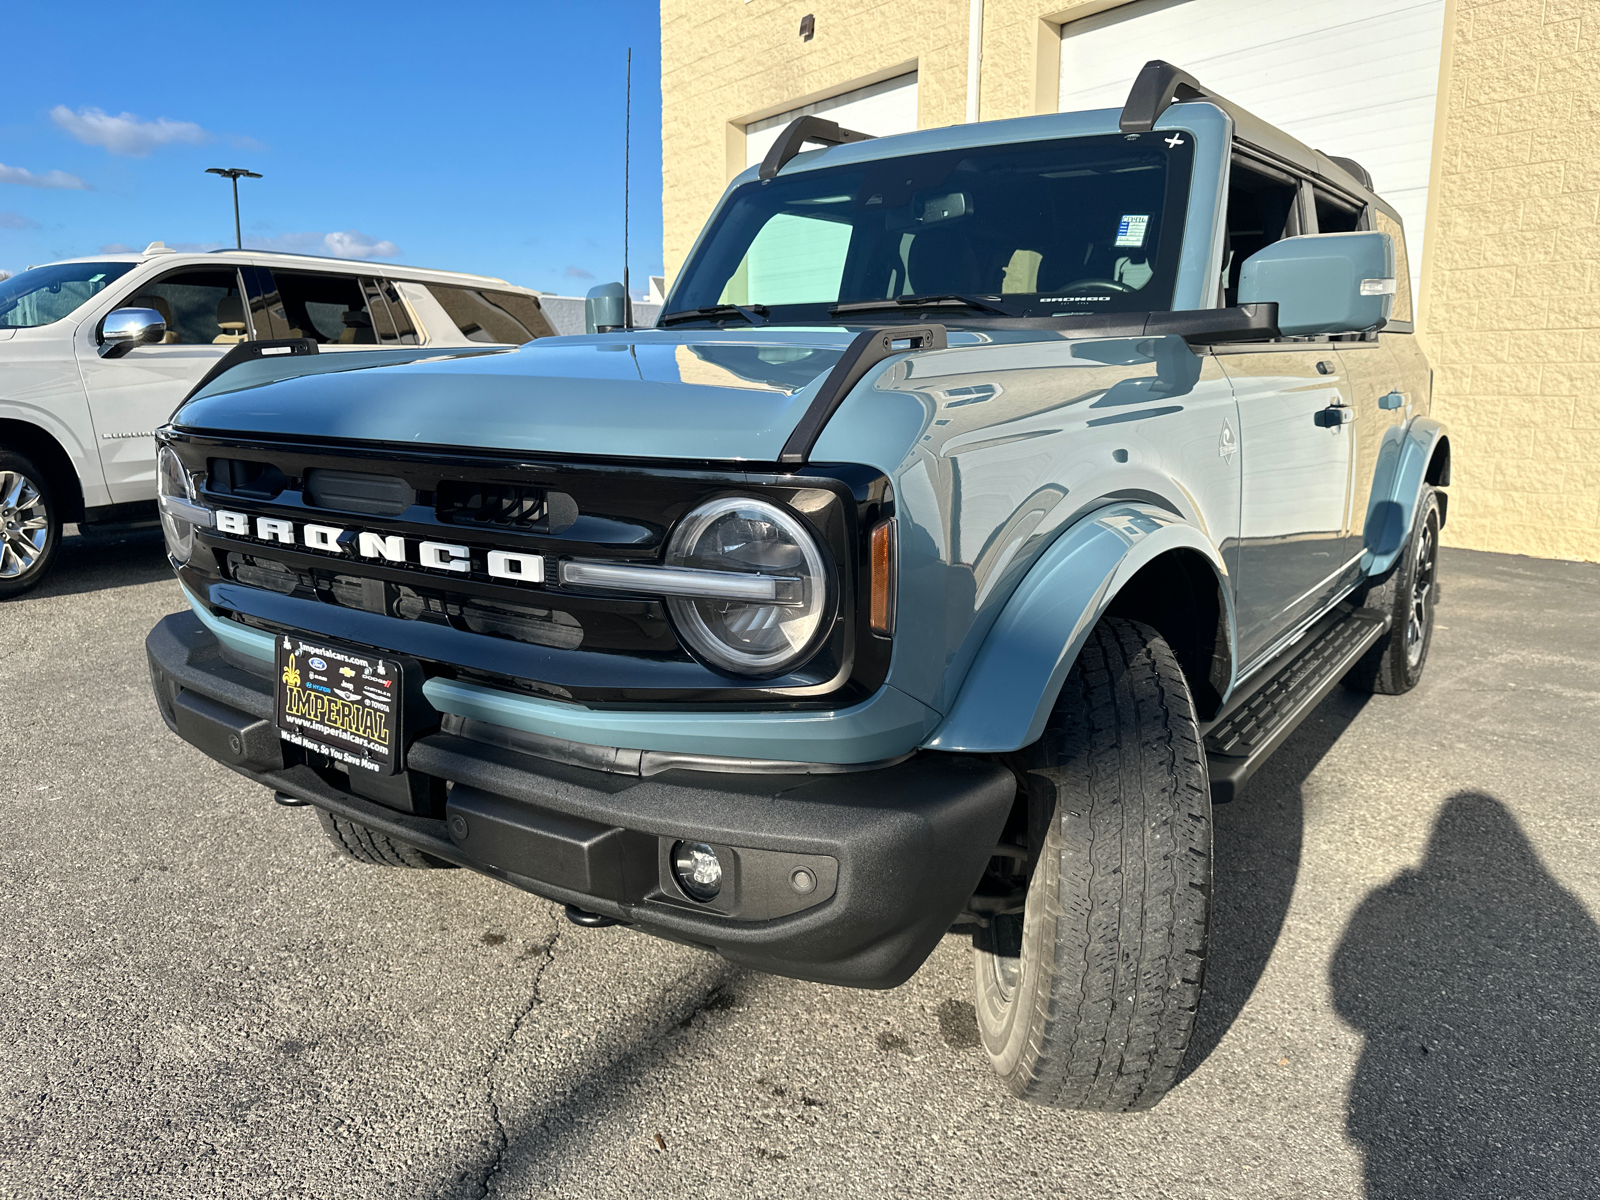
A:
[987,503]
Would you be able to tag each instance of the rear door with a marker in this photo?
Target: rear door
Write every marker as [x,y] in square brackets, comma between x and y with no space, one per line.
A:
[131,396]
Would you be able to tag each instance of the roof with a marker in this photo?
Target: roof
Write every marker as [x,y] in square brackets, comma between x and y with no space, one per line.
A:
[309,261]
[1160,112]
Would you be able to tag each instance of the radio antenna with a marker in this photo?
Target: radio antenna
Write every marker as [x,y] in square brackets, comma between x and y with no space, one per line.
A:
[627,134]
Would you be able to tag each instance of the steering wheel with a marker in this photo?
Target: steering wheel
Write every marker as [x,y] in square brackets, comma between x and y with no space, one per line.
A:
[1085,285]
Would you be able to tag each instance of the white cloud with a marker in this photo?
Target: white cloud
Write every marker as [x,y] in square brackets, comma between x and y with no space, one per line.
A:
[11,220]
[351,243]
[346,243]
[290,243]
[125,134]
[50,179]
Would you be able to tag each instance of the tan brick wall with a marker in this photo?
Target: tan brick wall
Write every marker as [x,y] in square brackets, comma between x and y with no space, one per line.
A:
[1511,289]
[1510,301]
[726,61]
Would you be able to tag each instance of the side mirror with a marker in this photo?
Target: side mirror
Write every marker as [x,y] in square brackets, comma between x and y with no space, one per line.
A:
[126,328]
[1324,283]
[605,308]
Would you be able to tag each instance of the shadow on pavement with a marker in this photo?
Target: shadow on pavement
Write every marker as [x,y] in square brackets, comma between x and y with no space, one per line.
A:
[1473,980]
[92,562]
[1257,841]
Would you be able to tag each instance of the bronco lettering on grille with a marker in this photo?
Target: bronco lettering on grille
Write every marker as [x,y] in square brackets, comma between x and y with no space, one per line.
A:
[386,547]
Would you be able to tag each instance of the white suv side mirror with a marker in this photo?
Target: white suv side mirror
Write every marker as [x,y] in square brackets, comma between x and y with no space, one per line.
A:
[126,328]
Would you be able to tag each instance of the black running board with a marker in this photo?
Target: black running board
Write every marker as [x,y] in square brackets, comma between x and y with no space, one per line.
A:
[1283,693]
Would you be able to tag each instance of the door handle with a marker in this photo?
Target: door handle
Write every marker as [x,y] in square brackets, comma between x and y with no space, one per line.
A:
[1336,415]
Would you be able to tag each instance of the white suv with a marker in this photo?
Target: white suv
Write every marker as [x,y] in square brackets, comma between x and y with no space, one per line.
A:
[84,383]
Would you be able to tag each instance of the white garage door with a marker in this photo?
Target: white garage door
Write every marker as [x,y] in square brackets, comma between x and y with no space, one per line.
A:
[879,108]
[1355,78]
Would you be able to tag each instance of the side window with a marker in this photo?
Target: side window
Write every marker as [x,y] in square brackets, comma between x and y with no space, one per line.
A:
[1261,210]
[1384,223]
[201,306]
[331,310]
[390,317]
[483,315]
[1335,214]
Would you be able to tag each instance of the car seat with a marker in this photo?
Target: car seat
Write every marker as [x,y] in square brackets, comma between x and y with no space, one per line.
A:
[230,319]
[357,329]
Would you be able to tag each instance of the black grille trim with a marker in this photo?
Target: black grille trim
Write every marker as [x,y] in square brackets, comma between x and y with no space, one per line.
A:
[357,492]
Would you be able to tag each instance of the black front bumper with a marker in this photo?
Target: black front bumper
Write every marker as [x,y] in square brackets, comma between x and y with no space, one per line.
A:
[890,855]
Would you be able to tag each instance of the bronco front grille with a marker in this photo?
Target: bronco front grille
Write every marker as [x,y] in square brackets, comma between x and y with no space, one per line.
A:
[441,561]
[500,505]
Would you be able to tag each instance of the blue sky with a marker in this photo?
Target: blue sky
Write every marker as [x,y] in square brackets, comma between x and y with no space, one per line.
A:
[476,137]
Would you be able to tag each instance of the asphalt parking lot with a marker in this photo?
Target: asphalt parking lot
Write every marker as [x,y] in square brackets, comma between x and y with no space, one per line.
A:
[199,998]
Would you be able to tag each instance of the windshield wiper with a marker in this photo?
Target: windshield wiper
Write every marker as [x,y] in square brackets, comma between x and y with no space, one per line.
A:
[756,314]
[931,300]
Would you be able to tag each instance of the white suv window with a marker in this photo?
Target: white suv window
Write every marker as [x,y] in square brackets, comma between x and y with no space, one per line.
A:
[44,295]
[202,306]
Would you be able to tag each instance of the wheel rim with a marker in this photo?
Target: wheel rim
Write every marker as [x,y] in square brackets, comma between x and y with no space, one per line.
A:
[1420,616]
[1005,962]
[24,525]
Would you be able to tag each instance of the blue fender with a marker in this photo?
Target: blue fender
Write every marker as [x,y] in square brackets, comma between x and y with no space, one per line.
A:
[1017,674]
[1396,486]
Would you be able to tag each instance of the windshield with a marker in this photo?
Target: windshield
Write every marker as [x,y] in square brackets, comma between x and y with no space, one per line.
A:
[46,294]
[1036,229]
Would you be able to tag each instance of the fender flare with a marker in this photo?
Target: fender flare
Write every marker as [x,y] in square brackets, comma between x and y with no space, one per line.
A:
[1396,487]
[1017,673]
[56,450]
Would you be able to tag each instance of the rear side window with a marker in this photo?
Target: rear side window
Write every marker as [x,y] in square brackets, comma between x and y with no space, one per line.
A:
[483,315]
[202,307]
[331,310]
[391,319]
[1335,214]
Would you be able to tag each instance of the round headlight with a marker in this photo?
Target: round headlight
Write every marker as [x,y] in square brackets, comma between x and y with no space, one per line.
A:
[751,637]
[172,481]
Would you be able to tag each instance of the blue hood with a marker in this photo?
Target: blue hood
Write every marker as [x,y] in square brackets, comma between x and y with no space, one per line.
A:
[649,394]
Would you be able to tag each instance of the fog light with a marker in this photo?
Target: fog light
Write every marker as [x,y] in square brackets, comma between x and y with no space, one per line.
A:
[697,869]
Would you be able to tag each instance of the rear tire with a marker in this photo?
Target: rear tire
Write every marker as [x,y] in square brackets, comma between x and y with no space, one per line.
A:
[1088,1000]
[367,845]
[1407,595]
[30,525]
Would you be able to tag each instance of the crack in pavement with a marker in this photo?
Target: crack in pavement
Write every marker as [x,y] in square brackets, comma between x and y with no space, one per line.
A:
[545,954]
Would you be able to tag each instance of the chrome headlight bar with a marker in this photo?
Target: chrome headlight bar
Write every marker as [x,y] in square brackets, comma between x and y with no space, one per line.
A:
[782,590]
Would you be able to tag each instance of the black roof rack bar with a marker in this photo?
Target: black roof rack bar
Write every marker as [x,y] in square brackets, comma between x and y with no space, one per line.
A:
[1158,86]
[1361,174]
[800,131]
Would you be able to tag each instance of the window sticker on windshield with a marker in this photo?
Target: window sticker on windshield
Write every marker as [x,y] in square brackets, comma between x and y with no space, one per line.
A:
[1130,230]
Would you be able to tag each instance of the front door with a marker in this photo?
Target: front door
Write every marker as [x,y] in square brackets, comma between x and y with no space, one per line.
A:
[131,396]
[1295,441]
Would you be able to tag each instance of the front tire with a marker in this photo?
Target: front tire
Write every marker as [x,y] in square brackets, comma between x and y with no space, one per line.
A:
[30,525]
[1088,1000]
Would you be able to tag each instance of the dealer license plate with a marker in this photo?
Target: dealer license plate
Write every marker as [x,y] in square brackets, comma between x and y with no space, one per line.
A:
[341,703]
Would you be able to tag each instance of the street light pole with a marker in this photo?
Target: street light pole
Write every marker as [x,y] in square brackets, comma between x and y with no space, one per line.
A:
[235,174]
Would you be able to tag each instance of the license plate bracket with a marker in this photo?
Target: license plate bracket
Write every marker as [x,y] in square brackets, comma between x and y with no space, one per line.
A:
[340,702]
